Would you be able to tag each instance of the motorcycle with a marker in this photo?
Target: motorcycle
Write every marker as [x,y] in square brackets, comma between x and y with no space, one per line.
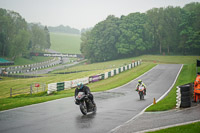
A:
[141,92]
[85,103]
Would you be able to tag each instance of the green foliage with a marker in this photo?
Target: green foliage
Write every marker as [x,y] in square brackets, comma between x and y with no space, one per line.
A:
[131,39]
[99,44]
[17,38]
[170,30]
[64,29]
[40,38]
[14,36]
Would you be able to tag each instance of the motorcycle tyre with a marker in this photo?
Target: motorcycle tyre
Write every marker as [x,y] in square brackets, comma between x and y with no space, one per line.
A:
[95,109]
[141,96]
[83,108]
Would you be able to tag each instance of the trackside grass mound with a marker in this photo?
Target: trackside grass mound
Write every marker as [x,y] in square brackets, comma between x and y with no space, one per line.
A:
[190,128]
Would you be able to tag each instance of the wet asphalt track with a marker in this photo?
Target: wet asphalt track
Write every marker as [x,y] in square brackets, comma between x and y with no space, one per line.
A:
[114,108]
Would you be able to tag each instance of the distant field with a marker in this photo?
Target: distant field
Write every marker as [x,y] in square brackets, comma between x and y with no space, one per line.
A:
[65,43]
[35,59]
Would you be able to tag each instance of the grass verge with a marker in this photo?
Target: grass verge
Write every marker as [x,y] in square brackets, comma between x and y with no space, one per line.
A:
[189,128]
[118,80]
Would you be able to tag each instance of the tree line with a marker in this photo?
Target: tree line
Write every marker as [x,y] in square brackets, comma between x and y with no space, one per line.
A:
[64,29]
[18,38]
[170,30]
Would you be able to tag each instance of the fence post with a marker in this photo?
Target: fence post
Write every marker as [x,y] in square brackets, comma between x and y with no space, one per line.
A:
[31,89]
[10,92]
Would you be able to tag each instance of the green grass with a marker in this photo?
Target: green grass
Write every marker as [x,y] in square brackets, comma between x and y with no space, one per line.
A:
[53,78]
[118,80]
[169,59]
[189,128]
[25,61]
[65,43]
[187,75]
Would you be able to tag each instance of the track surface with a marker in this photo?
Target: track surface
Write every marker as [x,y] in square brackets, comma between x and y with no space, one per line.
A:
[114,108]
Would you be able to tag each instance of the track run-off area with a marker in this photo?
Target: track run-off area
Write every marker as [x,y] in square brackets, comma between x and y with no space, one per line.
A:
[114,107]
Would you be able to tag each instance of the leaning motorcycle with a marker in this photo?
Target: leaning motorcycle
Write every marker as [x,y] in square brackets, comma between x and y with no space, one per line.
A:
[85,103]
[141,92]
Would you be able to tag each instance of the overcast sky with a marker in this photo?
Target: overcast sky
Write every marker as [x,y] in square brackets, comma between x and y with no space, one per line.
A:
[81,13]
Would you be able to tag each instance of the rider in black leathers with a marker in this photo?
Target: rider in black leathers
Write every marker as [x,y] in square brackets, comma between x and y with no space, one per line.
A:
[85,89]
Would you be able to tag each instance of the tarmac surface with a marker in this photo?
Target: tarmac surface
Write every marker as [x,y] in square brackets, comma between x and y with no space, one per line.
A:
[116,109]
[152,121]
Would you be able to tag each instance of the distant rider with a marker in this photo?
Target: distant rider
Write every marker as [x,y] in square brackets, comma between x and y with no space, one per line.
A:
[85,89]
[140,83]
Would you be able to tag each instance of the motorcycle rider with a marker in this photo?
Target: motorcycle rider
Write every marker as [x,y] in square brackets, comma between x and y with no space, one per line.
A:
[140,83]
[83,88]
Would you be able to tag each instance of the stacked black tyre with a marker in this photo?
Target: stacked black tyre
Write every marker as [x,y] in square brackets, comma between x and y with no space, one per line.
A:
[185,96]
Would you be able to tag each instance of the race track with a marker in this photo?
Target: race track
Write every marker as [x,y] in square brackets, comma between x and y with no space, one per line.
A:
[114,108]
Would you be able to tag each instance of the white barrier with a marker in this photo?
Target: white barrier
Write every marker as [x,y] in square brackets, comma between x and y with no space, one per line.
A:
[125,67]
[70,84]
[112,73]
[178,98]
[51,88]
[122,69]
[82,80]
[106,75]
[129,66]
[117,71]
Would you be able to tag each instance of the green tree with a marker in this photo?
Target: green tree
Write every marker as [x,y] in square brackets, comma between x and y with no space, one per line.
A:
[99,43]
[132,40]
[190,29]
[19,44]
[47,36]
[12,27]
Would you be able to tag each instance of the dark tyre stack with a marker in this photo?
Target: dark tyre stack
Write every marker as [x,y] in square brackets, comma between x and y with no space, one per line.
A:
[185,96]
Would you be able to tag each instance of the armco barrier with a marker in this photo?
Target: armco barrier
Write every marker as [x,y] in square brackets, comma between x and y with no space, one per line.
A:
[183,99]
[70,84]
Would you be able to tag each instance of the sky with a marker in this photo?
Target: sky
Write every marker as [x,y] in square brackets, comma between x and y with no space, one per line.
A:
[81,13]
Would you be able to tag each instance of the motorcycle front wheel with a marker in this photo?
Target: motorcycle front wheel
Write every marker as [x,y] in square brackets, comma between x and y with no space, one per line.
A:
[141,95]
[83,108]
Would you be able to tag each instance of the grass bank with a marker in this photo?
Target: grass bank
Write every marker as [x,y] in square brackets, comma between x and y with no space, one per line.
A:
[189,128]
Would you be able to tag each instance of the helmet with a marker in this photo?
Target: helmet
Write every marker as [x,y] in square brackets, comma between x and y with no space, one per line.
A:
[80,85]
[140,81]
